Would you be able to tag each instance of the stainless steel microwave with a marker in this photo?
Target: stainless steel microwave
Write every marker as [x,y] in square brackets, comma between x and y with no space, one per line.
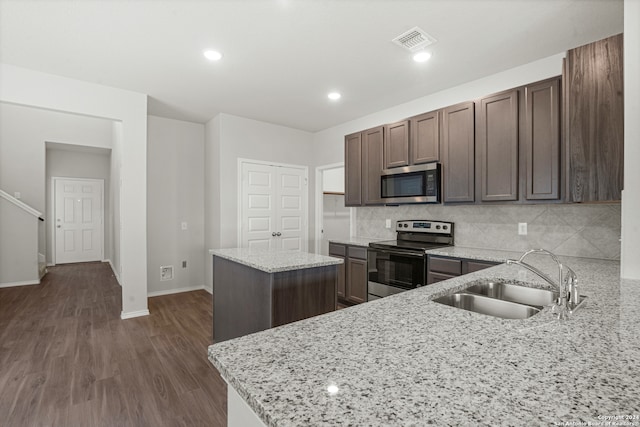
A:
[411,184]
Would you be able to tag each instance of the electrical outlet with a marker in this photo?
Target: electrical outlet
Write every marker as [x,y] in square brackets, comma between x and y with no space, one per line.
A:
[166,273]
[184,225]
[184,264]
[387,223]
[522,228]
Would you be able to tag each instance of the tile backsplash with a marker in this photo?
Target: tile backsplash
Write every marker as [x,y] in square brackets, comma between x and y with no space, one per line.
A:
[582,230]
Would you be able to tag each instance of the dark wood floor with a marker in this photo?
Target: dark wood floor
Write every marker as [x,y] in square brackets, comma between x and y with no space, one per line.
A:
[67,359]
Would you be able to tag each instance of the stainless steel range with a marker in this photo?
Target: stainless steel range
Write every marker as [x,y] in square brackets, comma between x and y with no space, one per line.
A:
[400,265]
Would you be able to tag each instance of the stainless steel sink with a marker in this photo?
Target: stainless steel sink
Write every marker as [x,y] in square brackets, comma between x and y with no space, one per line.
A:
[514,293]
[486,305]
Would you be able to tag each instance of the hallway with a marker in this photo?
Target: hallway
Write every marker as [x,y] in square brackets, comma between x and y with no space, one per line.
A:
[67,359]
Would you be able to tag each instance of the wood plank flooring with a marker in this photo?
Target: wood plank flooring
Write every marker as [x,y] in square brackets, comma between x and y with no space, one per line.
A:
[67,359]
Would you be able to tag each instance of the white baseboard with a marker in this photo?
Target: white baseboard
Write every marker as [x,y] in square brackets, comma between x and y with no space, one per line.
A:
[208,289]
[133,314]
[174,291]
[50,264]
[115,273]
[24,283]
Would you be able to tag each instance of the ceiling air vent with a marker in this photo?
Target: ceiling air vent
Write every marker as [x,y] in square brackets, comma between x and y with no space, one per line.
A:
[414,39]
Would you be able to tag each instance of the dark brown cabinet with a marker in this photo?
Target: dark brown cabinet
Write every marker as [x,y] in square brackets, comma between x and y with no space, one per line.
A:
[424,144]
[353,276]
[363,154]
[497,146]
[594,120]
[540,144]
[396,144]
[442,268]
[458,153]
[353,169]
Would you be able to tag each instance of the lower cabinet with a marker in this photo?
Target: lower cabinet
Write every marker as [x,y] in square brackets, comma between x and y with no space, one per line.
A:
[352,275]
[442,268]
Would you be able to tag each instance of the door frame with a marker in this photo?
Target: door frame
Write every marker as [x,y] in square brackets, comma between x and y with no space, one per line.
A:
[53,210]
[305,196]
[319,205]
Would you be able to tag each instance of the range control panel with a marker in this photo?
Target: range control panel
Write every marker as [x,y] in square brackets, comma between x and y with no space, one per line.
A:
[422,226]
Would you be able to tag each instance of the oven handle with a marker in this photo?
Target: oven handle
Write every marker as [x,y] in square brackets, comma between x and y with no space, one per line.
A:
[398,252]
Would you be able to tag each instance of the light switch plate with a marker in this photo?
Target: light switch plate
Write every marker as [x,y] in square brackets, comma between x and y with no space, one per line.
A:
[387,223]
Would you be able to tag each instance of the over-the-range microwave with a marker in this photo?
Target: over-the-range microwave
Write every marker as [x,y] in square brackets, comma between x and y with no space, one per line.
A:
[411,184]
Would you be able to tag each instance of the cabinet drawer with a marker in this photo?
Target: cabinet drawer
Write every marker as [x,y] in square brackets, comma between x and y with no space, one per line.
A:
[472,266]
[336,249]
[357,252]
[445,265]
[437,277]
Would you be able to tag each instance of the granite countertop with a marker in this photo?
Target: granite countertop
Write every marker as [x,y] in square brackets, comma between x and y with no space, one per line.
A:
[406,360]
[475,253]
[354,241]
[274,261]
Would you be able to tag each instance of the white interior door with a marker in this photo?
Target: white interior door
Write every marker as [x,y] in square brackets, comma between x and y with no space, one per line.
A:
[274,207]
[79,220]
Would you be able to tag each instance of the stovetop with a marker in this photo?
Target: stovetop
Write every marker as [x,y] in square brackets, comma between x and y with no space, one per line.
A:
[419,235]
[405,244]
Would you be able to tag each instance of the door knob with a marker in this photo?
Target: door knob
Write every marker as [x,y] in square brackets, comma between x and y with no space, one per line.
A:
[273,234]
[59,226]
[278,234]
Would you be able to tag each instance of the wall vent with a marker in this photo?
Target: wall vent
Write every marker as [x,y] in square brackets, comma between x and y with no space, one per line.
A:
[166,273]
[414,39]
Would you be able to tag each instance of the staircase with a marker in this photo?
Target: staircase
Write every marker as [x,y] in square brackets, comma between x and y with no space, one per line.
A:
[21,260]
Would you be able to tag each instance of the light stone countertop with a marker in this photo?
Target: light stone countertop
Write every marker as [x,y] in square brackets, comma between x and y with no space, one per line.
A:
[275,261]
[475,253]
[408,361]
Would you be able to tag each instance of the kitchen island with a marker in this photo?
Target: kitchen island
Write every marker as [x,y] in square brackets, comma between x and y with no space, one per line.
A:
[406,360]
[257,289]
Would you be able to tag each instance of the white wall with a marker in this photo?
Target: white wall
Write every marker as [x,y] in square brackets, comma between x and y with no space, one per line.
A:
[333,180]
[18,246]
[47,91]
[70,163]
[229,138]
[630,267]
[175,194]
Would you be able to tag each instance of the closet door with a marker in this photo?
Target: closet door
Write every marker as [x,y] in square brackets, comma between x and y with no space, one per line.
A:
[274,207]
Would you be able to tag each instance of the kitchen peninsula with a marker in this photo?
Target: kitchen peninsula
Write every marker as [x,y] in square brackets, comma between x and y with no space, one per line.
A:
[258,289]
[406,360]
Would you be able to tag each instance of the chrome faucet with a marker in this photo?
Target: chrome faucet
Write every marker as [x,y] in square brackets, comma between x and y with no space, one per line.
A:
[567,285]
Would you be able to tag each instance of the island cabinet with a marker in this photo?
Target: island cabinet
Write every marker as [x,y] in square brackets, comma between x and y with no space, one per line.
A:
[353,276]
[442,268]
[594,112]
[254,290]
[363,167]
[458,153]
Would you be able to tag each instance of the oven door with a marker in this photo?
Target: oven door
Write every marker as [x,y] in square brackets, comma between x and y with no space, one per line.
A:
[395,270]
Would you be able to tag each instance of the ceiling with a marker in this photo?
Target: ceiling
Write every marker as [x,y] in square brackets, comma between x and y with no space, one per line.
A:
[282,57]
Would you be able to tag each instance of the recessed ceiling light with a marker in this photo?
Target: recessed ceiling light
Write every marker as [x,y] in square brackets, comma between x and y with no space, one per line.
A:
[334,96]
[212,55]
[422,56]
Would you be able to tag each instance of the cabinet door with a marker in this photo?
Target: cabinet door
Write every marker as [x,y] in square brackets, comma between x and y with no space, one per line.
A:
[425,138]
[497,142]
[594,126]
[353,169]
[372,147]
[541,143]
[469,266]
[396,145]
[458,155]
[340,251]
[356,280]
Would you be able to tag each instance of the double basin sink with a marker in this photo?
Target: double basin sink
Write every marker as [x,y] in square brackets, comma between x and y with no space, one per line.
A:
[505,300]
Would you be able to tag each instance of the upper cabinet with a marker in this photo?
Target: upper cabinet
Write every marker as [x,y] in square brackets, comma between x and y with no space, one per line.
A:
[424,144]
[372,165]
[396,145]
[497,146]
[540,144]
[458,153]
[353,169]
[594,114]
[363,154]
